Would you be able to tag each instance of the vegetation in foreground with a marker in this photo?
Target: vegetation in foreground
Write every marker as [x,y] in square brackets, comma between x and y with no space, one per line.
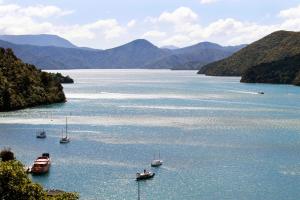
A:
[23,85]
[15,184]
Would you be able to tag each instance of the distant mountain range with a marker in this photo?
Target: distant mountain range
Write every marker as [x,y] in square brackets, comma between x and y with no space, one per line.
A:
[53,52]
[38,40]
[194,57]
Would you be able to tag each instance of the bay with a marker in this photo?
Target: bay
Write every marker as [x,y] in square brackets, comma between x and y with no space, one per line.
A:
[219,138]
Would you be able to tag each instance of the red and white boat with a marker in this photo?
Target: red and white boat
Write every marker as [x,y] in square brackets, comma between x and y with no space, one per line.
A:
[42,164]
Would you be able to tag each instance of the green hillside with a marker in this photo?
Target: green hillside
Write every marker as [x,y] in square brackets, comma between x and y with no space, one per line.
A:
[22,85]
[275,46]
[285,71]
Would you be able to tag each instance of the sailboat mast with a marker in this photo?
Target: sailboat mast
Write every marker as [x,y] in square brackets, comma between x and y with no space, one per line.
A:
[66,126]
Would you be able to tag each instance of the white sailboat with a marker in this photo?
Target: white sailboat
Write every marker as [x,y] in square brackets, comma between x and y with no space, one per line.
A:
[156,162]
[65,139]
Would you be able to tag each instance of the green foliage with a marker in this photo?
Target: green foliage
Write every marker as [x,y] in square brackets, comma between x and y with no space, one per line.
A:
[63,79]
[63,196]
[273,47]
[22,85]
[285,71]
[7,155]
[14,184]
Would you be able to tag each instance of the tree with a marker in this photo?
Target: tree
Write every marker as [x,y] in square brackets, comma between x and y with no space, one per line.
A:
[7,155]
[14,183]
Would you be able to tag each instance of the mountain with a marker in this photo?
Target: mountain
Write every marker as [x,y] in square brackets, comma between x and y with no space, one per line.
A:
[38,40]
[195,56]
[132,55]
[22,85]
[273,47]
[284,71]
[136,54]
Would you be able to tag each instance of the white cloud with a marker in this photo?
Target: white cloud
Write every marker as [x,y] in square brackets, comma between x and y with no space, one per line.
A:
[44,11]
[131,23]
[154,34]
[179,16]
[207,1]
[177,40]
[32,11]
[290,13]
[180,27]
[16,19]
[110,28]
[185,28]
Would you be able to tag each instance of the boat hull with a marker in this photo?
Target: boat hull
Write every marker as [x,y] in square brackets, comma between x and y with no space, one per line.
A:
[41,165]
[145,177]
[156,163]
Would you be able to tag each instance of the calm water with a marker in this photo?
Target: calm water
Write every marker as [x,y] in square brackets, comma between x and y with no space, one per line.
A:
[219,138]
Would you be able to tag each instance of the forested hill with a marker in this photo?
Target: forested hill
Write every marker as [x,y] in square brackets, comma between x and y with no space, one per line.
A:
[285,71]
[274,47]
[23,85]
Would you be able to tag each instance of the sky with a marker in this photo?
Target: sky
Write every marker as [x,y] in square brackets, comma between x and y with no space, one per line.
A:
[106,24]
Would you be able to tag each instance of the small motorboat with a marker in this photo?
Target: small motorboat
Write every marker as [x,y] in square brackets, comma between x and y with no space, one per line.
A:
[64,140]
[145,175]
[41,134]
[41,165]
[261,92]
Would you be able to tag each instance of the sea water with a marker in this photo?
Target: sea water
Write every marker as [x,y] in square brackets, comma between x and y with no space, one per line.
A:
[219,138]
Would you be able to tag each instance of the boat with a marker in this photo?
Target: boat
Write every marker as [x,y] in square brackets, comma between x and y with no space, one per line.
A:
[41,165]
[156,162]
[66,139]
[145,175]
[261,92]
[41,134]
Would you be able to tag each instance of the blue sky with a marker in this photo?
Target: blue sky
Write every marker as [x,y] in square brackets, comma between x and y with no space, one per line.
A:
[109,23]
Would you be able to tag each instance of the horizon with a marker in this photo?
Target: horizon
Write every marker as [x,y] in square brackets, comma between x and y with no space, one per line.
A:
[105,25]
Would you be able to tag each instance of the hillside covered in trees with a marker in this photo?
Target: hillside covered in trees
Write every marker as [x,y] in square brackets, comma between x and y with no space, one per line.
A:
[274,47]
[285,71]
[23,85]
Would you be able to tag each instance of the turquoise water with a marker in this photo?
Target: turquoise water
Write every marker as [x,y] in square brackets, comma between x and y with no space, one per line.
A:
[218,138]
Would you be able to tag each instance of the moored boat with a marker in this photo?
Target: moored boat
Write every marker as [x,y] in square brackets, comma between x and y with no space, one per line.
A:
[41,134]
[41,165]
[145,175]
[156,162]
[65,139]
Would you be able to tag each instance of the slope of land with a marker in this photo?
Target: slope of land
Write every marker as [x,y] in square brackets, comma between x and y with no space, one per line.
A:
[273,47]
[22,85]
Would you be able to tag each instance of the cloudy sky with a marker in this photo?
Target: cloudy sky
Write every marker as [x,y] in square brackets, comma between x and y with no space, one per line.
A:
[109,23]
